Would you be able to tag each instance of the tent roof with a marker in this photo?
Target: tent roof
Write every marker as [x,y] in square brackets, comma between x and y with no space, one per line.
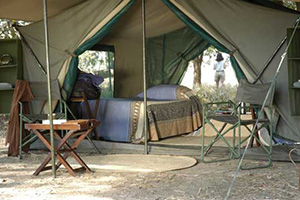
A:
[32,10]
[159,21]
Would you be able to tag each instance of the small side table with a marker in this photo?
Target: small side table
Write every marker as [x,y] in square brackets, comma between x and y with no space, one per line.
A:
[76,128]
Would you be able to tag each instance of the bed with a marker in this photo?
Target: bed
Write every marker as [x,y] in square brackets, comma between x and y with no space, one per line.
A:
[172,110]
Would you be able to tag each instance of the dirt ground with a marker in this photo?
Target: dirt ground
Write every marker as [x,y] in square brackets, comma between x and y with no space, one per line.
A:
[202,181]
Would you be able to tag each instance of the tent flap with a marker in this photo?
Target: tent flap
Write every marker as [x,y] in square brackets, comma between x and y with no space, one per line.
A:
[168,55]
[71,76]
[252,32]
[208,38]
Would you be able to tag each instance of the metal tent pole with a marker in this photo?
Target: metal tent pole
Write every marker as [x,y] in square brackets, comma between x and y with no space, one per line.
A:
[49,87]
[261,111]
[145,80]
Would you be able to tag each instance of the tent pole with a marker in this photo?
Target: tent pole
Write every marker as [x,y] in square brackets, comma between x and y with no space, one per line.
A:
[49,87]
[145,80]
[261,111]
[270,60]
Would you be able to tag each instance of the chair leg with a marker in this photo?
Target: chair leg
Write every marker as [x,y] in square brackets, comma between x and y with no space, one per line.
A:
[21,138]
[202,140]
[233,143]
[266,149]
[220,136]
[271,142]
[239,139]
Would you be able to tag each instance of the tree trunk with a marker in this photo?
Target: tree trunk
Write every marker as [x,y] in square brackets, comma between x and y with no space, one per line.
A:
[197,71]
[298,6]
[280,2]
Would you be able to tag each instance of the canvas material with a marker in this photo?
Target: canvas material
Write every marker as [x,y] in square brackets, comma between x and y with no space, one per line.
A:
[126,37]
[249,31]
[32,10]
[66,31]
[235,25]
[255,31]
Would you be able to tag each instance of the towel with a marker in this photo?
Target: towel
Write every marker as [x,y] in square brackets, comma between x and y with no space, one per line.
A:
[23,94]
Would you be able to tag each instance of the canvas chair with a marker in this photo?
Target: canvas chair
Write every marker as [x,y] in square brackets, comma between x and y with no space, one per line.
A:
[253,97]
[39,91]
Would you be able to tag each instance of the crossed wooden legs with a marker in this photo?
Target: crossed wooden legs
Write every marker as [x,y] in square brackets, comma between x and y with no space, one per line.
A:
[90,114]
[67,151]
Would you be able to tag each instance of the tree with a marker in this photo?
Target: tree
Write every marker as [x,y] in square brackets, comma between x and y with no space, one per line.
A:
[288,4]
[197,62]
[7,30]
[91,61]
[197,71]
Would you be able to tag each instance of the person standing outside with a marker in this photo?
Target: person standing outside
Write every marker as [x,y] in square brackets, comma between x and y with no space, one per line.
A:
[219,66]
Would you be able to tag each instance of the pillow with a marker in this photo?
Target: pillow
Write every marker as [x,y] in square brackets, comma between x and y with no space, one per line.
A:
[161,92]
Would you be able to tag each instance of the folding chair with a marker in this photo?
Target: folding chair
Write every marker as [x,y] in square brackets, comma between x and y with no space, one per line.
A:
[39,91]
[253,97]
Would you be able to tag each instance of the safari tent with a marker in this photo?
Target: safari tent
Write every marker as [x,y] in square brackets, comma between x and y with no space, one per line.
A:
[176,32]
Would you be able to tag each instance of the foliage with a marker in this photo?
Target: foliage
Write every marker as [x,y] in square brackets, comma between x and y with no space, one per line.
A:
[212,52]
[290,4]
[7,31]
[209,93]
[97,63]
[91,61]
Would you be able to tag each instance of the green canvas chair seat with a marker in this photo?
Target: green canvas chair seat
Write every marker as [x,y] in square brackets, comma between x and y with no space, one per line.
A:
[32,118]
[39,91]
[252,95]
[232,119]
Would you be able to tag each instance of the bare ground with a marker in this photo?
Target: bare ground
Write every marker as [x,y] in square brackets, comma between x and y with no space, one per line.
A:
[203,181]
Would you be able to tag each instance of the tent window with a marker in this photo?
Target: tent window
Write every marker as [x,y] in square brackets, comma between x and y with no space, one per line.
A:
[100,61]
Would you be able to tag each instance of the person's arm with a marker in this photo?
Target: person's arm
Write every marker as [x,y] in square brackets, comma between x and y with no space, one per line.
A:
[215,66]
[224,65]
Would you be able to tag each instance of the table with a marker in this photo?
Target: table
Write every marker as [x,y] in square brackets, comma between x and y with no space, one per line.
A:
[76,128]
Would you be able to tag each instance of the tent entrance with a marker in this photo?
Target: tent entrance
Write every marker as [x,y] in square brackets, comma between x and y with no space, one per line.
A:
[99,60]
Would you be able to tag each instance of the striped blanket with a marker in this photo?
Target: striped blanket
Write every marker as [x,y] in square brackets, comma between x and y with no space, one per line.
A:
[167,118]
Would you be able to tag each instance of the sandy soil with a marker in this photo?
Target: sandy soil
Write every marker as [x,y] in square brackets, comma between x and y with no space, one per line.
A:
[203,181]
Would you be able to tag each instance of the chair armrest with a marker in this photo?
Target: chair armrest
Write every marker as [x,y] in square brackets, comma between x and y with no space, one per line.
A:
[63,108]
[220,103]
[20,108]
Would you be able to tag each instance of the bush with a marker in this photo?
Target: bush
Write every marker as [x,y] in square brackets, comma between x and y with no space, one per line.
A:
[209,93]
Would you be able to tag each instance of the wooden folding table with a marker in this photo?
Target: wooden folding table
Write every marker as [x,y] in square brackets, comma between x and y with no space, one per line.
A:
[78,129]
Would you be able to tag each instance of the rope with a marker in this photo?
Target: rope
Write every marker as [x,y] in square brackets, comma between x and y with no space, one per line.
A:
[261,111]
[290,156]
[297,168]
[70,53]
[233,51]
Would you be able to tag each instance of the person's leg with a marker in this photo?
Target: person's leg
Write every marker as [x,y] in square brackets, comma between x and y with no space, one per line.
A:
[217,79]
[222,78]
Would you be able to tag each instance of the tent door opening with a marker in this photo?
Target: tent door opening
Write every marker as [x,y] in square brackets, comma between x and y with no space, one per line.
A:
[99,60]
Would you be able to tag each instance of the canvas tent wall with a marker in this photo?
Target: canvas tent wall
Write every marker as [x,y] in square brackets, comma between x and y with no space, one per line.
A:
[168,40]
[250,32]
[125,37]
[69,31]
[253,33]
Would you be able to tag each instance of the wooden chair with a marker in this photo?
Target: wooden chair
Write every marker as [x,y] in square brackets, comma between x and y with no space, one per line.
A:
[92,115]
